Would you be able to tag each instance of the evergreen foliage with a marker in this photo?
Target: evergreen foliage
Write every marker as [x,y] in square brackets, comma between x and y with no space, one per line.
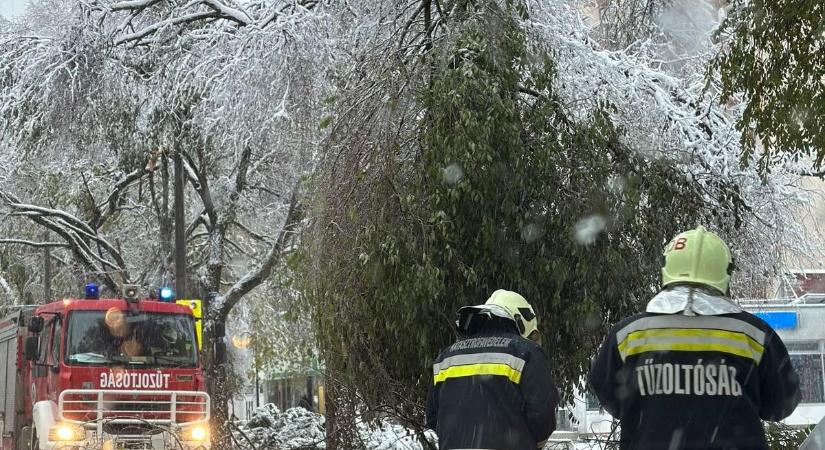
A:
[776,57]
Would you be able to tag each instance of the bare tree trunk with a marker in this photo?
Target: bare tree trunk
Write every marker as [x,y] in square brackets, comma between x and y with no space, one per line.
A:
[47,270]
[331,418]
[218,309]
[218,306]
[180,230]
[163,216]
[340,422]
[215,370]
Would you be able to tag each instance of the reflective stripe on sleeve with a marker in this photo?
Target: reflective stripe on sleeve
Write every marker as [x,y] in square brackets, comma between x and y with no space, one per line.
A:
[475,364]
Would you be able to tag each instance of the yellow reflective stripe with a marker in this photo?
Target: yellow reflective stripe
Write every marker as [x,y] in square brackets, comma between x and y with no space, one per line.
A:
[471,370]
[676,321]
[690,348]
[693,332]
[690,339]
[479,358]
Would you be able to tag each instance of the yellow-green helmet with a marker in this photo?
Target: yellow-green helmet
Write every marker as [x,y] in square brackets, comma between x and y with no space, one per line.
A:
[517,308]
[700,257]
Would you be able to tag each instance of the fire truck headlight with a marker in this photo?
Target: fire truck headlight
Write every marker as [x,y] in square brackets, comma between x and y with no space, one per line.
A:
[66,432]
[199,433]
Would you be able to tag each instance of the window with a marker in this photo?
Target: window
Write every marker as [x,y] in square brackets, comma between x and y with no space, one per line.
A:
[43,345]
[140,338]
[56,342]
[802,347]
[591,401]
[807,360]
[565,420]
[796,284]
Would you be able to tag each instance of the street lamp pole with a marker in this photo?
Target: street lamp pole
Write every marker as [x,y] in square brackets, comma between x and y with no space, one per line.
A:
[255,363]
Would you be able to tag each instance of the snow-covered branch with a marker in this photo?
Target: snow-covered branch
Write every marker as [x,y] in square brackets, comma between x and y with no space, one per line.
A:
[226,12]
[11,295]
[133,4]
[78,236]
[112,202]
[74,224]
[671,113]
[225,217]
[33,243]
[200,182]
[194,11]
[261,273]
[174,21]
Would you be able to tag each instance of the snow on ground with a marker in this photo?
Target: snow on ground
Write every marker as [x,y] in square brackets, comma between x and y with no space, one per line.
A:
[297,428]
[292,429]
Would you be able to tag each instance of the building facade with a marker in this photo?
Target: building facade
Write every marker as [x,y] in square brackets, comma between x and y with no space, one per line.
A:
[801,325]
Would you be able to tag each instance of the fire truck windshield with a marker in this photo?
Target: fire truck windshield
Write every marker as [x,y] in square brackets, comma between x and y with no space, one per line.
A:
[136,338]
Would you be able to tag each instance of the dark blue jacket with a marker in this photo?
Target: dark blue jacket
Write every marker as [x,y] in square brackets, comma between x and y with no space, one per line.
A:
[694,382]
[492,390]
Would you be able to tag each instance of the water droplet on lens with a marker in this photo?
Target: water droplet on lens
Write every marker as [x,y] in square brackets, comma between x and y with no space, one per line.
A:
[588,229]
[452,174]
[531,232]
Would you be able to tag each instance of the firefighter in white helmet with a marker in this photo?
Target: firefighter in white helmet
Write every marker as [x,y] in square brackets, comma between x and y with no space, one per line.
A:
[493,389]
[694,371]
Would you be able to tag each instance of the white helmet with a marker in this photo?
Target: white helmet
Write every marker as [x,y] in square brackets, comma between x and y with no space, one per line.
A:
[509,305]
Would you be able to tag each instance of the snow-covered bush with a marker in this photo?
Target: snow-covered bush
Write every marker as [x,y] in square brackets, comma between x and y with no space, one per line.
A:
[299,429]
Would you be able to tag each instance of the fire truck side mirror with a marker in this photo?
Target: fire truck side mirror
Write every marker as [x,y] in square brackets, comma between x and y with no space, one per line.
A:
[32,348]
[36,324]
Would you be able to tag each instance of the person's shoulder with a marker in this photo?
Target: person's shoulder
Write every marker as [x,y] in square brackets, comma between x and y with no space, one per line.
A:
[528,349]
[443,353]
[524,343]
[630,320]
[752,320]
[759,329]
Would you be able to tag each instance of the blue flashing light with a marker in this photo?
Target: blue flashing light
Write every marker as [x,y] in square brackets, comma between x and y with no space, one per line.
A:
[92,292]
[166,294]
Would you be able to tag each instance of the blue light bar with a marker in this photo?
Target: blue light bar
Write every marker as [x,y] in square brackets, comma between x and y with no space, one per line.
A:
[92,292]
[166,294]
[779,320]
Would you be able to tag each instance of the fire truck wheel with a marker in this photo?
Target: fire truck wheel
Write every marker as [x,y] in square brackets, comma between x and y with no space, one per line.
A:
[24,443]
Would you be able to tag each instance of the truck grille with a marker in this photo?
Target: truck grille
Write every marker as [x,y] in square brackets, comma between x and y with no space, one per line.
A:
[129,429]
[133,407]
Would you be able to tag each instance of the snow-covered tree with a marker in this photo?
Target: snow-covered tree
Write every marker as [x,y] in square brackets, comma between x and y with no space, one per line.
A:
[463,145]
[673,112]
[92,120]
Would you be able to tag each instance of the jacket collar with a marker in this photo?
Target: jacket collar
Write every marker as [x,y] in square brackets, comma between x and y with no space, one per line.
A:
[691,301]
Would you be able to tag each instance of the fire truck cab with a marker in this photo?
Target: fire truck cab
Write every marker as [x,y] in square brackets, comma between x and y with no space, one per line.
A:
[102,374]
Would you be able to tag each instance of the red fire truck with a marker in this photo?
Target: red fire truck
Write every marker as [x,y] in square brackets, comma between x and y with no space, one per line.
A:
[102,374]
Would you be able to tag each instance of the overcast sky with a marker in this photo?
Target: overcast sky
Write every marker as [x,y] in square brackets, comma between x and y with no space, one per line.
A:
[12,8]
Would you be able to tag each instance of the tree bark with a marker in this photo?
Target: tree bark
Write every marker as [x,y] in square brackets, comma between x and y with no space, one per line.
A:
[180,230]
[331,418]
[47,270]
[216,376]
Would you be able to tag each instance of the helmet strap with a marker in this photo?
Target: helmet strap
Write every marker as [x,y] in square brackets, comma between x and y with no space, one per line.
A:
[519,324]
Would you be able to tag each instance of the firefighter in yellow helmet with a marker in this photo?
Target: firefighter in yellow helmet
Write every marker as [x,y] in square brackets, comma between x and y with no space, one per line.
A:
[493,389]
[694,371]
